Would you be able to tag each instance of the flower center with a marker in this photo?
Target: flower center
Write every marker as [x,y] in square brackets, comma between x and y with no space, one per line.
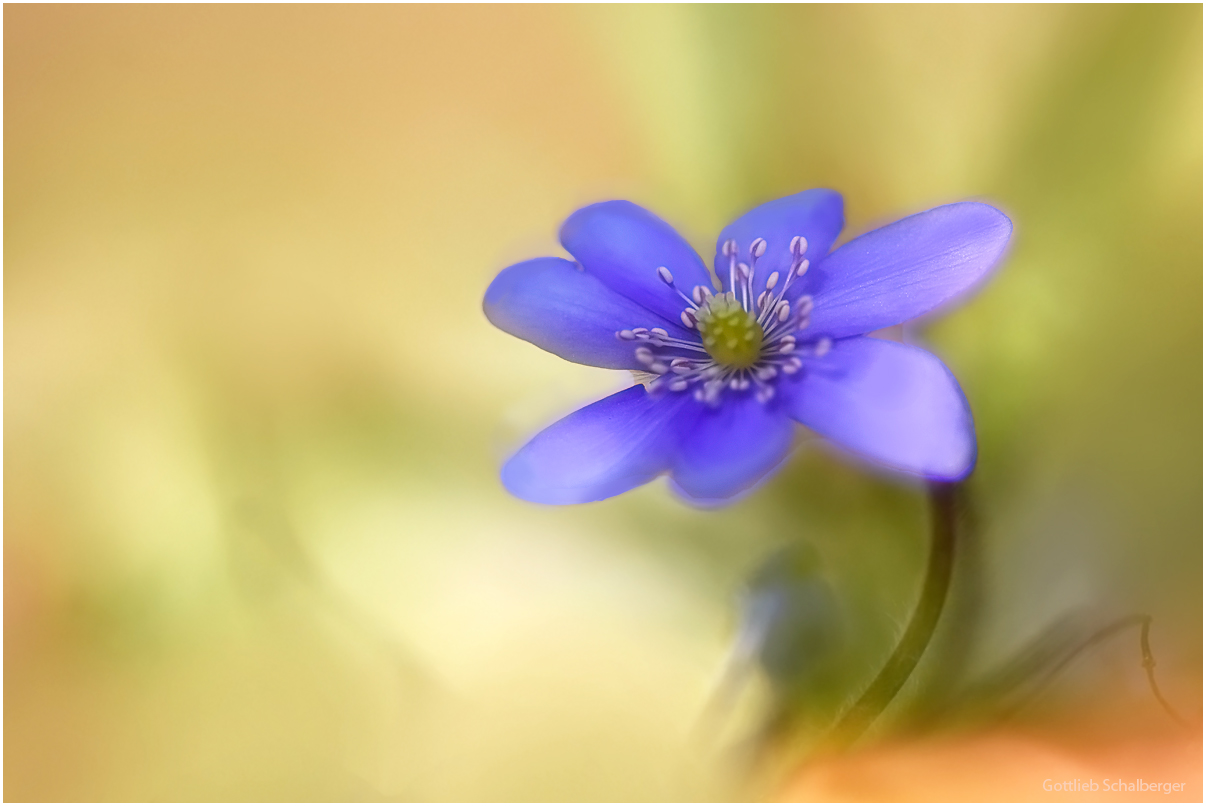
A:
[731,335]
[740,339]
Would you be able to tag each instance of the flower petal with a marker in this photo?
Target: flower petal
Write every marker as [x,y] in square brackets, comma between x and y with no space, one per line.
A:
[602,450]
[555,305]
[816,214]
[624,245]
[890,402]
[731,448]
[906,269]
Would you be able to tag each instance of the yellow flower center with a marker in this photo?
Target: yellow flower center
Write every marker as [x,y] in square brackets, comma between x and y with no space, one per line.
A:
[730,334]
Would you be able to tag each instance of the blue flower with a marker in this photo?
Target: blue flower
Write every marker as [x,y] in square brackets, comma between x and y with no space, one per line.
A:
[731,371]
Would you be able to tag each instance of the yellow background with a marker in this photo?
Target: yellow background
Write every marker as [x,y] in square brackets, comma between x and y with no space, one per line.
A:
[255,544]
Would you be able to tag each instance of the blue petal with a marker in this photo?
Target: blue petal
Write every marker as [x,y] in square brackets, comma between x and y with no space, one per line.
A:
[599,451]
[816,214]
[731,448]
[624,245]
[894,404]
[906,269]
[558,307]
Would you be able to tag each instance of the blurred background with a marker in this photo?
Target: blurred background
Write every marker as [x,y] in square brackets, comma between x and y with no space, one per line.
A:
[255,542]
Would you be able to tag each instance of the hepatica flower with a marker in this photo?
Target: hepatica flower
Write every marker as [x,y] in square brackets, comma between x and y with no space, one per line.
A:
[730,371]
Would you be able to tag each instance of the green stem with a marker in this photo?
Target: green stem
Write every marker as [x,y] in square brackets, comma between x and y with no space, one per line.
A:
[851,725]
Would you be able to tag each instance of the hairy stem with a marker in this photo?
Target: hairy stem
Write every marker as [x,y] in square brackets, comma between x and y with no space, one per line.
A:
[852,724]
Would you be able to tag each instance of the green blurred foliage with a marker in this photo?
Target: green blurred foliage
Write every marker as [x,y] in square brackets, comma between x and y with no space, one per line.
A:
[255,543]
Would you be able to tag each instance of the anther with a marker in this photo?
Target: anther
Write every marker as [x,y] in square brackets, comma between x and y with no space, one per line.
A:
[743,271]
[677,385]
[688,319]
[657,331]
[729,248]
[772,281]
[823,346]
[803,268]
[784,310]
[792,366]
[799,245]
[644,355]
[626,335]
[764,393]
[665,274]
[758,248]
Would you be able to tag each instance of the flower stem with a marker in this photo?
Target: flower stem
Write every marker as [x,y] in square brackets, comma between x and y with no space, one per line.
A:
[851,725]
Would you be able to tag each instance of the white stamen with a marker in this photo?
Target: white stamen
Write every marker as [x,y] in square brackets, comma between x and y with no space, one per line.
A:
[682,344]
[682,362]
